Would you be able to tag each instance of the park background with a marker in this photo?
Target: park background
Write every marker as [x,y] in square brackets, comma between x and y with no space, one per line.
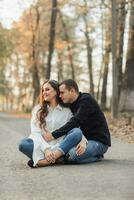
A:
[91,42]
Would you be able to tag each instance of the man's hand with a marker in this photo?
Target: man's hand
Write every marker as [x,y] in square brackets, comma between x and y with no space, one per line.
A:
[81,147]
[49,156]
[48,136]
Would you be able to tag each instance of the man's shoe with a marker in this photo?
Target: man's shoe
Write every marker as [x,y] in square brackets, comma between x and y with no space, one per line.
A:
[100,157]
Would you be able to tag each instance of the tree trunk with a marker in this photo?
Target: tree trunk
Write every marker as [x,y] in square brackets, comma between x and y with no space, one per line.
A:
[89,51]
[127,93]
[34,57]
[115,100]
[60,67]
[105,63]
[89,57]
[36,83]
[52,38]
[105,76]
[102,49]
[120,41]
[70,57]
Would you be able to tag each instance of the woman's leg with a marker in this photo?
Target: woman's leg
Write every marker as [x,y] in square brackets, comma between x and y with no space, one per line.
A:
[71,140]
[26,147]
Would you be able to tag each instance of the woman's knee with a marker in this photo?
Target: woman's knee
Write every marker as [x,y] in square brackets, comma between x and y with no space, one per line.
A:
[24,143]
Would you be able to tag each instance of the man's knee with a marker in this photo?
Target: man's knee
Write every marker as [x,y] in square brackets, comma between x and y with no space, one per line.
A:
[77,130]
[76,133]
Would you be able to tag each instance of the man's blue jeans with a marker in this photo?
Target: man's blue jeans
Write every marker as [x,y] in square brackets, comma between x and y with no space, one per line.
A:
[26,146]
[71,140]
[94,152]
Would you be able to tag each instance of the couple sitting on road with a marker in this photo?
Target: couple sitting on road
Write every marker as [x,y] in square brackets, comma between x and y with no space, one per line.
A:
[66,126]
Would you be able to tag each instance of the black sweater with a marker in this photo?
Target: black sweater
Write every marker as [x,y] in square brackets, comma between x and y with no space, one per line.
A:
[89,117]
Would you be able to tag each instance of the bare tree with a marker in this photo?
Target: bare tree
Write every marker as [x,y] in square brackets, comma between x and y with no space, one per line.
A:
[121,16]
[127,93]
[70,57]
[105,77]
[60,67]
[34,54]
[114,66]
[89,49]
[106,49]
[51,38]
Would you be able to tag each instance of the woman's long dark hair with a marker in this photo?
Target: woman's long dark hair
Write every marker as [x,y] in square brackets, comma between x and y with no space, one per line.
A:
[43,111]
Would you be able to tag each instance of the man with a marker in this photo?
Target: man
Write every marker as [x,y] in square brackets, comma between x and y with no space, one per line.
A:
[91,120]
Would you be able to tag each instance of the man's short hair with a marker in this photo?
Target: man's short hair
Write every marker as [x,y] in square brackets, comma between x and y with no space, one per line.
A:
[70,83]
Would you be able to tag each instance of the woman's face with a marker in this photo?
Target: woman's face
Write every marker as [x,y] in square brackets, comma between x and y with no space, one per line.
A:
[49,93]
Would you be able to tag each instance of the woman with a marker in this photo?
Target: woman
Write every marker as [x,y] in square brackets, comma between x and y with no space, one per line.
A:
[49,115]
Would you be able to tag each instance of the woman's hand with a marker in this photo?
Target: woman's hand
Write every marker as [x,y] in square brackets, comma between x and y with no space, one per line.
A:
[49,156]
[48,136]
[81,147]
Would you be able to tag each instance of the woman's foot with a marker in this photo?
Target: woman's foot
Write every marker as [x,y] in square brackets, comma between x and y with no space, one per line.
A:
[58,157]
[43,163]
[57,154]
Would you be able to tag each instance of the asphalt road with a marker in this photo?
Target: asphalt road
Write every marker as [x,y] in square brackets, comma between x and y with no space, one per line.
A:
[110,179]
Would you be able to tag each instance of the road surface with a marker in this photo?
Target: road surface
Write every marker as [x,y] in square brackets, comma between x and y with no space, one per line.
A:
[110,179]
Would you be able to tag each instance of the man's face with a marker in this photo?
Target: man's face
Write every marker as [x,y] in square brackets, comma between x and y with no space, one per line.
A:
[65,94]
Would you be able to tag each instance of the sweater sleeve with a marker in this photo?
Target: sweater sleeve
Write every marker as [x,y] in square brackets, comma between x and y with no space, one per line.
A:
[79,117]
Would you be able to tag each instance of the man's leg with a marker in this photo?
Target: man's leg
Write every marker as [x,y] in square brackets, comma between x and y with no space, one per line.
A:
[26,147]
[94,152]
[71,140]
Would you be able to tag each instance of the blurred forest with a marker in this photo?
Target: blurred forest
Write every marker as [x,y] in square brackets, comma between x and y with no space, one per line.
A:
[62,39]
